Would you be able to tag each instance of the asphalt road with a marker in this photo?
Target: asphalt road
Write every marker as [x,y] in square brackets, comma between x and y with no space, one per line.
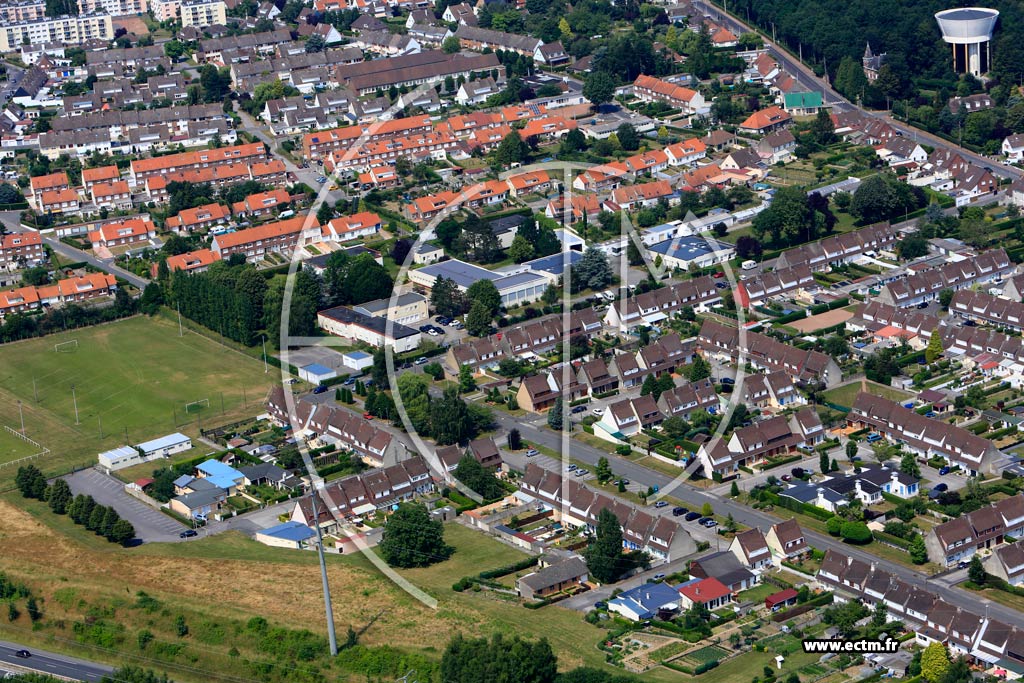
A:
[50,663]
[106,265]
[693,498]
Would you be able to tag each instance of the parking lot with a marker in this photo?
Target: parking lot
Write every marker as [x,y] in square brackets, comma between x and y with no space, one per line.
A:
[150,525]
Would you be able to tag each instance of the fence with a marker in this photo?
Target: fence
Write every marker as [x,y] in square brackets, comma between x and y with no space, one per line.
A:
[43,450]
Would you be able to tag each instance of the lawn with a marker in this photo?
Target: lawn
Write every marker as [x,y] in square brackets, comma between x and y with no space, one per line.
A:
[758,593]
[130,381]
[846,394]
[706,654]
[14,448]
[229,579]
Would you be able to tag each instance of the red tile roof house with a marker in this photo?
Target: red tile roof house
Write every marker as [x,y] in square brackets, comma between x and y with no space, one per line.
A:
[43,183]
[364,224]
[261,203]
[19,248]
[129,231]
[280,237]
[103,174]
[114,195]
[710,592]
[18,300]
[59,201]
[191,262]
[198,218]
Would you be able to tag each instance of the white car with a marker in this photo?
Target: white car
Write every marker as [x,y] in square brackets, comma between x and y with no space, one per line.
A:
[598,411]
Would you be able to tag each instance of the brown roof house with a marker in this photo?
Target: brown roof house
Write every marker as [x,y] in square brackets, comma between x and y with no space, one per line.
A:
[751,549]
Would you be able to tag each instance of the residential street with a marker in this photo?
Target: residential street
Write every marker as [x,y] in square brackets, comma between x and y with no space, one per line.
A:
[695,498]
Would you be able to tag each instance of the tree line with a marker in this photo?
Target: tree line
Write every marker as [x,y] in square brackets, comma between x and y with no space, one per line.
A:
[83,510]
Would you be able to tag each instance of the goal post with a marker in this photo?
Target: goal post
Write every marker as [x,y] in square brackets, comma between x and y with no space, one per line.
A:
[69,346]
[197,406]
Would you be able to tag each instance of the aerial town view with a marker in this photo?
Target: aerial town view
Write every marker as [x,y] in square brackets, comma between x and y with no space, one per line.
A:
[511,341]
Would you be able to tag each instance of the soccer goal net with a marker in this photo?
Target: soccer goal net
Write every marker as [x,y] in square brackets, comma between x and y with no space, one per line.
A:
[66,346]
[196,406]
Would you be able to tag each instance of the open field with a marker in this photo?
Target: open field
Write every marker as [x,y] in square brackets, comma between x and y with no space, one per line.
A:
[227,579]
[12,447]
[131,381]
[821,321]
[846,394]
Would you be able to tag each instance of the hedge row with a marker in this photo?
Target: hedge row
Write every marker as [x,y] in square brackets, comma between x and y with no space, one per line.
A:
[889,539]
[525,563]
[780,462]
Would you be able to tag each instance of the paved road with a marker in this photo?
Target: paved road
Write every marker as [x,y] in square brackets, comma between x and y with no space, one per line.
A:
[839,104]
[150,525]
[106,265]
[50,663]
[695,498]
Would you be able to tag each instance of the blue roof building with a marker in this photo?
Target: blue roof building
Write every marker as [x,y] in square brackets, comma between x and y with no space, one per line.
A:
[220,475]
[553,264]
[682,252]
[165,445]
[287,535]
[643,602]
[462,273]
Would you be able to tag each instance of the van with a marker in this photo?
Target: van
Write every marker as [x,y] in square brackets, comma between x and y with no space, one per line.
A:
[287,214]
[748,265]
[609,295]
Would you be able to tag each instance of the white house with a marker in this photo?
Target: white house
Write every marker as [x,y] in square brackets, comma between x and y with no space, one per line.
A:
[1013,147]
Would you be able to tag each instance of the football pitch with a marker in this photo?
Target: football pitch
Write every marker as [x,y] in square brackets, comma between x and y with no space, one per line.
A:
[96,388]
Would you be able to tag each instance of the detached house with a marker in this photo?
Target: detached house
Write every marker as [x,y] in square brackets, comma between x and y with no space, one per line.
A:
[751,549]
[786,540]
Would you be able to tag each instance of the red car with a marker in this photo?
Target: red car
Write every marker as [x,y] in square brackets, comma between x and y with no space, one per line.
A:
[368,416]
[718,274]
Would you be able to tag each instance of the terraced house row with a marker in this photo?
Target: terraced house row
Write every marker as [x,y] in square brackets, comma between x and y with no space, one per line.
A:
[983,640]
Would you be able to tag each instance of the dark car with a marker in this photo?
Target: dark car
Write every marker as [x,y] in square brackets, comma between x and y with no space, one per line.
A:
[24,654]
[945,470]
[426,328]
[922,305]
[320,388]
[728,380]
[679,512]
[941,487]
[690,516]
[708,522]
[968,323]
[786,477]
[600,604]
[188,533]
[579,409]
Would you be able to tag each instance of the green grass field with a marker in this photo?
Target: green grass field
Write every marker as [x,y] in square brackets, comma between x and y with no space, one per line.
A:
[706,654]
[845,395]
[132,380]
[12,447]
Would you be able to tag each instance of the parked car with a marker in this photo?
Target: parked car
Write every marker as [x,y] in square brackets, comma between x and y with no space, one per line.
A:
[421,360]
[532,452]
[923,305]
[941,486]
[582,473]
[442,320]
[367,416]
[434,332]
[678,512]
[188,533]
[786,477]
[320,388]
[579,409]
[873,437]
[600,604]
[349,382]
[945,470]
[572,467]
[598,411]
[426,328]
[708,522]
[690,516]
[658,577]
[728,380]
[661,504]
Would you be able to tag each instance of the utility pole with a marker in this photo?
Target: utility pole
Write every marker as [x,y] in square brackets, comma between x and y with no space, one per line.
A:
[266,368]
[74,399]
[35,394]
[21,411]
[180,333]
[332,637]
[99,418]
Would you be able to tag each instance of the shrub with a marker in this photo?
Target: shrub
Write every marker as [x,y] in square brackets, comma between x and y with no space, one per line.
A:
[835,526]
[855,532]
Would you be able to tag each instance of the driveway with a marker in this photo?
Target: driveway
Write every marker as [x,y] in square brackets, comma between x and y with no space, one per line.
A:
[150,525]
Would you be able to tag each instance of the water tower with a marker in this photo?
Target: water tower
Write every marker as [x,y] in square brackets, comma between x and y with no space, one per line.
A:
[969,31]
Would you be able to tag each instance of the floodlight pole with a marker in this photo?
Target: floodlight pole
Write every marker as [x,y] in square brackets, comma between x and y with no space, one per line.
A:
[331,636]
[266,368]
[74,399]
[21,412]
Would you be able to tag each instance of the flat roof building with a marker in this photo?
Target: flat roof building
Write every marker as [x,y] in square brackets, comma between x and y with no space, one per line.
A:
[165,445]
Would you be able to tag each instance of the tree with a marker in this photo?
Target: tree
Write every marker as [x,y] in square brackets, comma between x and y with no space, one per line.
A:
[486,293]
[604,554]
[555,418]
[934,349]
[855,532]
[909,466]
[934,662]
[598,88]
[882,197]
[446,299]
[788,220]
[834,525]
[499,659]
[12,611]
[315,43]
[851,449]
[59,496]
[823,462]
[520,250]
[32,607]
[845,617]
[400,251]
[412,539]
[478,241]
[976,571]
[628,137]
[515,440]
[912,246]
[122,532]
[850,79]
[945,298]
[511,150]
[471,473]
[603,470]
[592,271]
[822,129]
[30,482]
[466,380]
[674,427]
[880,615]
[451,45]
[699,369]
[707,510]
[734,490]
[478,321]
